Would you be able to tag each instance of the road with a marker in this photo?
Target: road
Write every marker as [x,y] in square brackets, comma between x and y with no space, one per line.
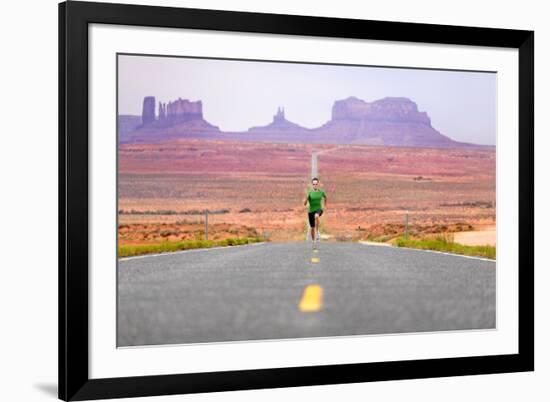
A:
[314,164]
[286,290]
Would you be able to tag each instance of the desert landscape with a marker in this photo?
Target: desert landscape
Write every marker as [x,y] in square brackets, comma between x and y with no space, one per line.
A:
[386,171]
[213,155]
[257,190]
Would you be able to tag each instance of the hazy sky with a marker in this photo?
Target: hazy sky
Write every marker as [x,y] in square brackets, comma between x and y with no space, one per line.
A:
[237,95]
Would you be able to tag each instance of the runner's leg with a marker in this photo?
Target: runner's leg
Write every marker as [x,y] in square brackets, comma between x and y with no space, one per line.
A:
[317,226]
[311,226]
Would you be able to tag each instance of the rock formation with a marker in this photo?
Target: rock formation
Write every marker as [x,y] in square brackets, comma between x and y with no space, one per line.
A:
[148,113]
[162,111]
[392,121]
[279,123]
[388,121]
[182,110]
[280,116]
[388,109]
[172,114]
[127,124]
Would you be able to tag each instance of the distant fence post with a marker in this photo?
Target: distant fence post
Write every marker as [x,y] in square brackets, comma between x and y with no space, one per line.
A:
[406,224]
[206,224]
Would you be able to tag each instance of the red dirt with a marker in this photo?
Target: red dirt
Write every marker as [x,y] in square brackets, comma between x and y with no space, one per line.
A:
[263,186]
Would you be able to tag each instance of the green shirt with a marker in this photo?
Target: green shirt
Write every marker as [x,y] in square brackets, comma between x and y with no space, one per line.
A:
[314,198]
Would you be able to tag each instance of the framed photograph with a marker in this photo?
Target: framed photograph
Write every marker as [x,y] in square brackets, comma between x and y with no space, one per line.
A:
[259,200]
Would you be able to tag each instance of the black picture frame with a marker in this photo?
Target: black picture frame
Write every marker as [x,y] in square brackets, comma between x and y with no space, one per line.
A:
[74,380]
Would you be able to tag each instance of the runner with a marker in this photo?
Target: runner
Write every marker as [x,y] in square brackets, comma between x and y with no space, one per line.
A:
[315,209]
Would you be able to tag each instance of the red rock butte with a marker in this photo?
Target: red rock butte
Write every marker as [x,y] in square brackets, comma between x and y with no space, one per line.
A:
[391,121]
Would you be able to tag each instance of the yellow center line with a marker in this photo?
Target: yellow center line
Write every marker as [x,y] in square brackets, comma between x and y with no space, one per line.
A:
[312,299]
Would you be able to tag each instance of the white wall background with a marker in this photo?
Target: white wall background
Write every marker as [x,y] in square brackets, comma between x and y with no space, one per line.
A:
[28,224]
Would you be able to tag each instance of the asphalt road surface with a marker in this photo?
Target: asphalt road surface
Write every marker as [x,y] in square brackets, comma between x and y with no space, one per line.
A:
[286,290]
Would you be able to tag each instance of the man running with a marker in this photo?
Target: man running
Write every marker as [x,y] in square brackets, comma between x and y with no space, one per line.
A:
[315,210]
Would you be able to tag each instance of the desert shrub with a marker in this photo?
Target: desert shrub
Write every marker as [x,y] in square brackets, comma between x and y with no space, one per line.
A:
[220,211]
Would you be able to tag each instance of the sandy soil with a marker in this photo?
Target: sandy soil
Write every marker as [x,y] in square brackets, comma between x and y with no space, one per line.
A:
[486,236]
[372,191]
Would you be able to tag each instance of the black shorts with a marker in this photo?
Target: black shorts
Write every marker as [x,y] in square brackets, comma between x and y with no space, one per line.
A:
[311,216]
